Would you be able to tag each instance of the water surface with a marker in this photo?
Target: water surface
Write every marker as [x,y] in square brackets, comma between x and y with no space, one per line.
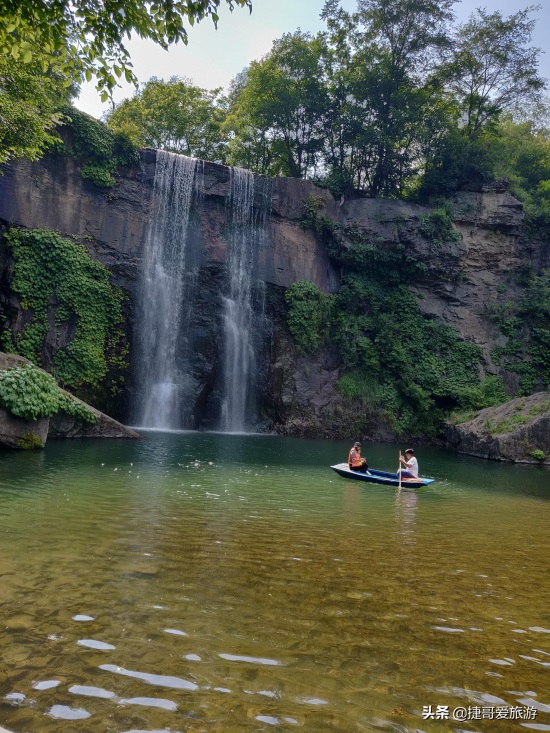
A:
[224,583]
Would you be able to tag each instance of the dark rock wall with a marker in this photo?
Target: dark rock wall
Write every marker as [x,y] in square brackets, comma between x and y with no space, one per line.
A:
[112,225]
[296,395]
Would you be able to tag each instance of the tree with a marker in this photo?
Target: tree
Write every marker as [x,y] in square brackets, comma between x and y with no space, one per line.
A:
[492,67]
[248,145]
[384,104]
[520,152]
[344,116]
[29,108]
[174,115]
[86,38]
[398,44]
[284,98]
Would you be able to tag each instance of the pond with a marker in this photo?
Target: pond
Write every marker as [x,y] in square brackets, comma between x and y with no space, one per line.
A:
[225,583]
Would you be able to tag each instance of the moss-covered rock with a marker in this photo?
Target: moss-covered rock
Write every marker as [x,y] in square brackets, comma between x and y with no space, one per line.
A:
[517,431]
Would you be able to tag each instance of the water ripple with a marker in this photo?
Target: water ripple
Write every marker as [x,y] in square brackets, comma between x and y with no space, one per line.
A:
[253,660]
[94,644]
[64,712]
[153,702]
[91,691]
[153,679]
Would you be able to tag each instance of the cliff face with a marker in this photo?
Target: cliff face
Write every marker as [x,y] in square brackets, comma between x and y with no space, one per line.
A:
[112,223]
[297,395]
[460,284]
[478,268]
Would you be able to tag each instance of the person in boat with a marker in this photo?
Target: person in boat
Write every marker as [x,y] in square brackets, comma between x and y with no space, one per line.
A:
[355,461]
[410,463]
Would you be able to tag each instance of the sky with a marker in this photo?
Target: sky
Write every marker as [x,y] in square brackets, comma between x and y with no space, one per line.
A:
[213,57]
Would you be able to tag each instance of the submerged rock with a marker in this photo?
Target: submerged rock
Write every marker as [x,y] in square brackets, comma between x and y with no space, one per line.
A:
[518,431]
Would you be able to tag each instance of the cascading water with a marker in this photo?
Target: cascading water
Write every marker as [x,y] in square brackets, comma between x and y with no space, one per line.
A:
[162,380]
[248,228]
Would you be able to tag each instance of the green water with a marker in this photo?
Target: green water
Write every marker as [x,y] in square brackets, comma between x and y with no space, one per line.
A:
[144,589]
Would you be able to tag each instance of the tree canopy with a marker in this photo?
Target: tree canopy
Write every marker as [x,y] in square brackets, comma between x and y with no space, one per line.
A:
[86,38]
[173,115]
[394,99]
[30,103]
[48,48]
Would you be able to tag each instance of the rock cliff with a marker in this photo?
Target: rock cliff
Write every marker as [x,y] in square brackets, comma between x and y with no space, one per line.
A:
[474,270]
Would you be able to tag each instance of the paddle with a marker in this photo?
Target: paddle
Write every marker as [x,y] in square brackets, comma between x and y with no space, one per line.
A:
[399,469]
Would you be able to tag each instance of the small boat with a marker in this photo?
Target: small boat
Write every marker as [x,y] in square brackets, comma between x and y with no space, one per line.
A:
[381,477]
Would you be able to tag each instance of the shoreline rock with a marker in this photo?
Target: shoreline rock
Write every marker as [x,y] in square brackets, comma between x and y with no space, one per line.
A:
[517,431]
[26,434]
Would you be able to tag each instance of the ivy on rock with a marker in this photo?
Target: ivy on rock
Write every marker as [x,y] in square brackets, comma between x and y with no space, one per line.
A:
[525,324]
[54,274]
[30,393]
[98,149]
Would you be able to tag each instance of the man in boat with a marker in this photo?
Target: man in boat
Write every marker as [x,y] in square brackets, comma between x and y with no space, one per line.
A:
[410,463]
[355,461]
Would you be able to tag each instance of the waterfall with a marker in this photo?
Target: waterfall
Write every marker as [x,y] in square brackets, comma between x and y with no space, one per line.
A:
[247,231]
[162,379]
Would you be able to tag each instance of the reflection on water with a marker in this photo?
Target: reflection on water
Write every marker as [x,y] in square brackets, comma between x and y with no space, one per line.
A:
[194,582]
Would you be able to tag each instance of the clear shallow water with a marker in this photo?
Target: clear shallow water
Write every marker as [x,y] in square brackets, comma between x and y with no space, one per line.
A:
[263,592]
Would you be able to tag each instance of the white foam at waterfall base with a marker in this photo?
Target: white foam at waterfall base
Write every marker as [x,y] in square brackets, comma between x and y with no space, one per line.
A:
[163,382]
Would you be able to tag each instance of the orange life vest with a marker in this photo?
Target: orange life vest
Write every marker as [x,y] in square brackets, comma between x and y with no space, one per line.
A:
[355,459]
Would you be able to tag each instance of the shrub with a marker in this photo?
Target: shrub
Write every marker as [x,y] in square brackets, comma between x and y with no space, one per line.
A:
[30,393]
[308,316]
[97,148]
[29,441]
[437,227]
[538,454]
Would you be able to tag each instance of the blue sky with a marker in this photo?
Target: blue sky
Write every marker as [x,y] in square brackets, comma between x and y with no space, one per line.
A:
[213,57]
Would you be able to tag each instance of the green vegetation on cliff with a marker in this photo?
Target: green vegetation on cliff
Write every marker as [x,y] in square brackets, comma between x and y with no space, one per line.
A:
[53,275]
[30,393]
[526,325]
[417,369]
[97,149]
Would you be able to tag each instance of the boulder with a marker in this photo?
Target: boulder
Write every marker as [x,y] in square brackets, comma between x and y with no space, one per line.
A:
[517,431]
[63,425]
[18,433]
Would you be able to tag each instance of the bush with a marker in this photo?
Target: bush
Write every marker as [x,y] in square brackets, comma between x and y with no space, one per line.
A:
[97,148]
[309,312]
[29,441]
[525,325]
[30,393]
[538,454]
[437,227]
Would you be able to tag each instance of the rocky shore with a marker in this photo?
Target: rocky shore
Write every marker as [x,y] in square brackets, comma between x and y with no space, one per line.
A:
[18,433]
[518,431]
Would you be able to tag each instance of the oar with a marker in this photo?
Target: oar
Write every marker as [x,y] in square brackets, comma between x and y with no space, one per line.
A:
[399,469]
